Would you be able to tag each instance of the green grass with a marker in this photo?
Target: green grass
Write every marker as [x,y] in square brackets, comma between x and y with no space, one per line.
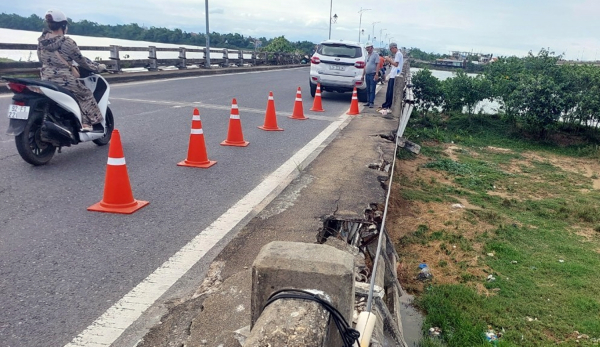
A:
[547,284]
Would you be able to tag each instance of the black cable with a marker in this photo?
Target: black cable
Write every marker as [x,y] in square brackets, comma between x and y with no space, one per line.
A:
[349,335]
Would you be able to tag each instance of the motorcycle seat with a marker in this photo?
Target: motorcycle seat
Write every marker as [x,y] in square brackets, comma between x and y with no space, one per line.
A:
[39,83]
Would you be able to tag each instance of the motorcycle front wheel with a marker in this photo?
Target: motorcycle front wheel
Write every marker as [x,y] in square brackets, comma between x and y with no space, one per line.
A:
[30,145]
[109,126]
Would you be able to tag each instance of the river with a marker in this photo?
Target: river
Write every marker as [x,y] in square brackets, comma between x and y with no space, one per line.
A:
[486,106]
[30,37]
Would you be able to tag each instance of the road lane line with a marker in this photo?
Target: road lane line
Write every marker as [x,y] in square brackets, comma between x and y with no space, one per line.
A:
[190,104]
[110,325]
[167,79]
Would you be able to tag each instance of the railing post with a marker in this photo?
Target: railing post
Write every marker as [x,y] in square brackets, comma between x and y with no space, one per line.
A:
[254,58]
[206,54]
[182,58]
[114,55]
[241,56]
[153,64]
[225,57]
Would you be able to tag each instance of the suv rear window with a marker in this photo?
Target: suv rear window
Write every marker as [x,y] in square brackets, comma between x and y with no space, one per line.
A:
[339,51]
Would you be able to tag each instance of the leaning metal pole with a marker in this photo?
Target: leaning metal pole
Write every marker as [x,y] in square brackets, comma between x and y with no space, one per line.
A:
[381,230]
[207,57]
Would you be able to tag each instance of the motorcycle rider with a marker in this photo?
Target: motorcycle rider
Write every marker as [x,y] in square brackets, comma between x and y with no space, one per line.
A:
[56,52]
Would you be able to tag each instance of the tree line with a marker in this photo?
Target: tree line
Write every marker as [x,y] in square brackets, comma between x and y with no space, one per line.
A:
[536,93]
[161,35]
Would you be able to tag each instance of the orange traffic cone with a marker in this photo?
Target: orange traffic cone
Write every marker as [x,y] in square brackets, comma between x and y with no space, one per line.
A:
[270,116]
[354,104]
[234,134]
[197,148]
[298,108]
[118,197]
[317,106]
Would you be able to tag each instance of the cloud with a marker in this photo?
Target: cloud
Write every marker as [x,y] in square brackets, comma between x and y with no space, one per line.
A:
[506,26]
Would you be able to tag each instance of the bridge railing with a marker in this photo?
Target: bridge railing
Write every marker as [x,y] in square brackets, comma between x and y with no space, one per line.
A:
[118,58]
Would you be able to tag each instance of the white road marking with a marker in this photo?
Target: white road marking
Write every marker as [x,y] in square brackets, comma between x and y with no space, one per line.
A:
[191,104]
[167,79]
[199,104]
[110,325]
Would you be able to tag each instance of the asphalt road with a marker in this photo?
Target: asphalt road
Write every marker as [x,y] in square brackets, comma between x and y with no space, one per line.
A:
[62,267]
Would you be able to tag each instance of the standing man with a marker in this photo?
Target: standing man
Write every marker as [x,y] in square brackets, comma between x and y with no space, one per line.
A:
[370,74]
[396,65]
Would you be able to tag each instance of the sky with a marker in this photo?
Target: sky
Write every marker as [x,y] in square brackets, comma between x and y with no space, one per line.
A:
[500,27]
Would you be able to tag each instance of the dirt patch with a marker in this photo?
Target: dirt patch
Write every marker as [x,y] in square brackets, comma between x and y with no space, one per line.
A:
[447,230]
[445,235]
[498,149]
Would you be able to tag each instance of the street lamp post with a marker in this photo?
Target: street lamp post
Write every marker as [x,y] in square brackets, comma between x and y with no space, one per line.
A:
[381,37]
[360,21]
[373,32]
[331,19]
[207,58]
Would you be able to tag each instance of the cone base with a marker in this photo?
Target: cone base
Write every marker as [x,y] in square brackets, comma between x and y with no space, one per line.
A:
[128,209]
[203,165]
[235,144]
[315,110]
[270,129]
[353,113]
[298,118]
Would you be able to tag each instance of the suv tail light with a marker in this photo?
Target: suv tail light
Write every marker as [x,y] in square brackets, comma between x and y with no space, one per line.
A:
[315,60]
[359,65]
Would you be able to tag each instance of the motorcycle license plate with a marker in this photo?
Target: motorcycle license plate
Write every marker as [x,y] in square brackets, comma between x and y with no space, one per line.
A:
[18,112]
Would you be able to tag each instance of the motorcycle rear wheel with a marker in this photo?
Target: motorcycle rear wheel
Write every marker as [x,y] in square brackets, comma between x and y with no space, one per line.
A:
[30,145]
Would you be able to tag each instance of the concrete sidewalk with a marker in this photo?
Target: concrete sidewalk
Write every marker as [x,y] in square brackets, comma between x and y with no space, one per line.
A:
[337,182]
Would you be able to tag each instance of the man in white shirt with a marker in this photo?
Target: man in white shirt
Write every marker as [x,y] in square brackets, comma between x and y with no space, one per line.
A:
[396,69]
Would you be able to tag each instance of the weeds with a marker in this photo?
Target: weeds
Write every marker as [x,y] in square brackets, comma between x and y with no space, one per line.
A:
[524,231]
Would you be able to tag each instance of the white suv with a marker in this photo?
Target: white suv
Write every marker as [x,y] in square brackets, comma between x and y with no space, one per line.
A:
[338,66]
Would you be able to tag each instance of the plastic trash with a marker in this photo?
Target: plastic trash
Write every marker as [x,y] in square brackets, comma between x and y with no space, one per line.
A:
[424,274]
[491,336]
[435,332]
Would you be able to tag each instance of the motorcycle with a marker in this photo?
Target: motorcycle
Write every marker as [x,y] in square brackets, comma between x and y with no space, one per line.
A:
[45,116]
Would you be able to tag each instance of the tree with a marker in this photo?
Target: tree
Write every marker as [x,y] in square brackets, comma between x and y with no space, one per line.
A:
[463,91]
[427,91]
[279,44]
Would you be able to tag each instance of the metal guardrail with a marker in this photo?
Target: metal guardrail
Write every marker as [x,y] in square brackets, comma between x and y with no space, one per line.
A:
[403,120]
[117,62]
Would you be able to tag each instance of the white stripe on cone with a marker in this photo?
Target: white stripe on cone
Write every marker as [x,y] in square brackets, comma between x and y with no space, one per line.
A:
[297,99]
[234,106]
[116,161]
[195,117]
[234,116]
[270,98]
[197,131]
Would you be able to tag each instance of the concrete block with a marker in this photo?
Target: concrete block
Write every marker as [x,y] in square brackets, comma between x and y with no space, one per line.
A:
[314,267]
[291,323]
